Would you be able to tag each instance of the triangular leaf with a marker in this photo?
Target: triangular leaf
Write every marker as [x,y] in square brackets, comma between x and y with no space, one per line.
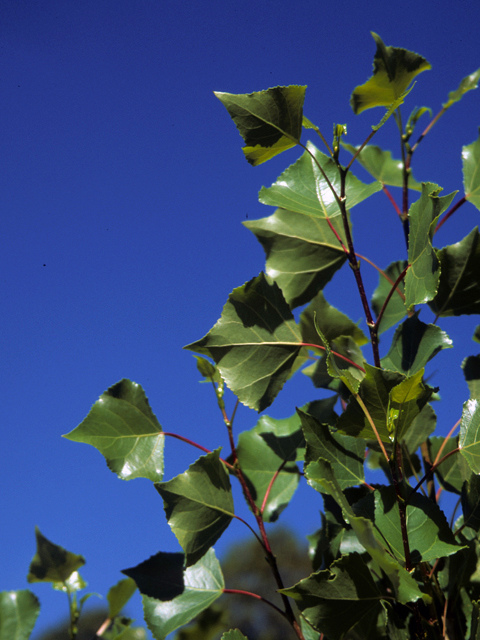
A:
[203,584]
[198,505]
[396,309]
[471,171]
[459,285]
[469,440]
[393,70]
[269,121]
[52,563]
[159,577]
[382,166]
[467,84]
[255,343]
[119,595]
[421,281]
[18,613]
[413,345]
[122,426]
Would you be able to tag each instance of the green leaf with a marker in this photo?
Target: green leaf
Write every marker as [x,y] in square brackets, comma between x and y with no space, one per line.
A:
[345,454]
[451,472]
[52,563]
[259,462]
[122,426]
[333,323]
[320,475]
[73,583]
[413,345]
[469,441]
[422,426]
[396,309]
[421,281]
[119,595]
[255,342]
[203,584]
[393,71]
[269,121]
[205,626]
[233,634]
[471,371]
[476,335]
[459,285]
[407,400]
[284,436]
[382,166]
[413,118]
[198,505]
[18,613]
[467,84]
[429,534]
[471,171]
[205,367]
[160,577]
[335,600]
[471,502]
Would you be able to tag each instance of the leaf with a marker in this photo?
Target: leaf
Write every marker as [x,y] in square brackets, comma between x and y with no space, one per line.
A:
[205,367]
[332,322]
[345,454]
[255,342]
[18,613]
[413,118]
[283,436]
[206,626]
[471,502]
[269,121]
[122,426]
[422,426]
[471,171]
[260,463]
[471,371]
[469,441]
[198,505]
[413,345]
[476,335]
[233,634]
[74,582]
[459,285]
[203,584]
[393,71]
[382,166]
[467,84]
[52,563]
[320,475]
[407,400]
[159,577]
[450,473]
[335,600]
[396,309]
[429,534]
[421,281]
[119,595]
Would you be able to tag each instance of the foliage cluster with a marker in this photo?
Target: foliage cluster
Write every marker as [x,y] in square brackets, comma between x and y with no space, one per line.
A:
[386,563]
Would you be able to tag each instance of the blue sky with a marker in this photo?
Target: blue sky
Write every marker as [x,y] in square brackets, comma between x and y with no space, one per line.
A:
[123,188]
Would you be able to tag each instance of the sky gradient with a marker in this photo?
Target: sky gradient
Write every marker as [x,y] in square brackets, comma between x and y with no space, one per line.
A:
[123,188]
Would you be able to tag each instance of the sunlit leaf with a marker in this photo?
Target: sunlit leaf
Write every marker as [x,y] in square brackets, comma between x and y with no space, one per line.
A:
[198,505]
[203,584]
[421,281]
[407,400]
[413,118]
[469,441]
[414,344]
[471,371]
[18,613]
[459,285]
[122,426]
[467,84]
[255,343]
[393,71]
[335,600]
[269,121]
[119,595]
[382,166]
[52,563]
[74,582]
[471,171]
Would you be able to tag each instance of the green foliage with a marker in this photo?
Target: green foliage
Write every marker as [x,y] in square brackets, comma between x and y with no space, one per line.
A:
[386,563]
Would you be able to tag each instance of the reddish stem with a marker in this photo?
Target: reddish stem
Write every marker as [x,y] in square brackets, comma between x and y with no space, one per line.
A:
[390,197]
[195,444]
[256,596]
[450,213]
[390,294]
[339,355]
[270,485]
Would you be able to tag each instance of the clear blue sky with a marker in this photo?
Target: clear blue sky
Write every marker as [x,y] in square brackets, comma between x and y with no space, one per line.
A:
[122,191]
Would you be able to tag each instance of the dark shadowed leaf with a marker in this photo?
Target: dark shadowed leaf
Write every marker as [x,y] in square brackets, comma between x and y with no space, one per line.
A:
[52,563]
[255,343]
[476,335]
[269,121]
[332,323]
[122,426]
[396,309]
[159,577]
[382,166]
[203,584]
[18,613]
[345,454]
[413,345]
[469,440]
[198,505]
[471,502]
[335,600]
[467,84]
[393,71]
[421,281]
[471,171]
[206,626]
[471,371]
[284,436]
[459,285]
